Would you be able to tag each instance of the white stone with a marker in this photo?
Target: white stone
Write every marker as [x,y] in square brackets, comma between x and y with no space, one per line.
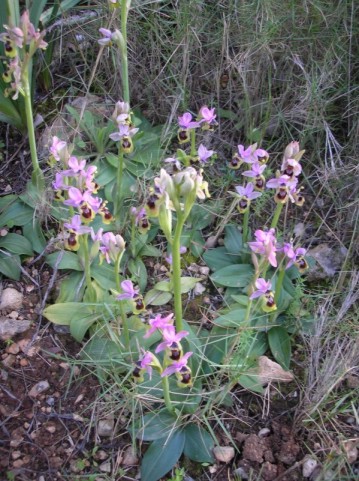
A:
[309,466]
[106,426]
[11,299]
[224,454]
[39,388]
[264,432]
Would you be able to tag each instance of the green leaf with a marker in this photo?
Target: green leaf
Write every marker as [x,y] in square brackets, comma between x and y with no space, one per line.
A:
[242,300]
[17,244]
[200,217]
[280,346]
[251,383]
[36,10]
[150,251]
[258,344]
[17,214]
[105,353]
[233,239]
[238,275]
[161,456]
[80,323]
[164,286]
[157,298]
[198,444]
[104,275]
[218,258]
[33,233]
[63,313]
[232,318]
[197,243]
[156,425]
[188,283]
[72,288]
[139,271]
[64,260]
[6,200]
[10,266]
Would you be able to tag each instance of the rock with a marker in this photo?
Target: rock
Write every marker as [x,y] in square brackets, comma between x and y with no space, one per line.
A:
[50,427]
[9,360]
[224,454]
[269,471]
[39,388]
[270,371]
[198,289]
[211,242]
[11,299]
[11,327]
[129,457]
[352,381]
[289,452]
[204,271]
[241,473]
[264,432]
[13,315]
[105,467]
[13,348]
[254,449]
[309,466]
[329,261]
[351,450]
[106,426]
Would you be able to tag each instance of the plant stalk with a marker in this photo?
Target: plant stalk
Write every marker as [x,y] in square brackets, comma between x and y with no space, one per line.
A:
[87,267]
[166,394]
[118,196]
[176,270]
[245,225]
[193,142]
[277,213]
[124,60]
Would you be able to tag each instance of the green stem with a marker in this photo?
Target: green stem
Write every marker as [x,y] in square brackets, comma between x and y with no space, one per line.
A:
[87,267]
[37,175]
[124,60]
[118,200]
[245,225]
[166,394]
[176,270]
[193,142]
[278,285]
[126,332]
[277,213]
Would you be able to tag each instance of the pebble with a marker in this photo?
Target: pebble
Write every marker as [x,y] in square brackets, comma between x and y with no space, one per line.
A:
[11,299]
[9,361]
[13,348]
[224,454]
[105,467]
[13,315]
[309,466]
[106,426]
[50,428]
[264,432]
[24,362]
[39,388]
[204,270]
[129,457]
[241,473]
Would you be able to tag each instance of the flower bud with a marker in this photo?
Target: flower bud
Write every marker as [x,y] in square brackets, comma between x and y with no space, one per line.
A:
[291,149]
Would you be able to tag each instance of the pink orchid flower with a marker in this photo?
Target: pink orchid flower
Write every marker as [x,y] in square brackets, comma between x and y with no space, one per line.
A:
[282,182]
[128,291]
[106,36]
[186,122]
[204,154]
[159,322]
[265,245]
[207,115]
[171,338]
[256,171]
[124,130]
[263,287]
[177,366]
[75,226]
[248,191]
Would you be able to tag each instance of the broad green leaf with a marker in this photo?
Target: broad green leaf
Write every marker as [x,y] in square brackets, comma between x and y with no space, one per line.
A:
[104,275]
[33,233]
[232,318]
[105,353]
[16,244]
[188,283]
[233,240]
[238,275]
[63,313]
[198,444]
[139,271]
[186,399]
[36,10]
[201,216]
[64,260]
[72,288]
[197,243]
[242,300]
[80,323]
[17,214]
[161,456]
[106,174]
[164,286]
[10,266]
[218,258]
[258,344]
[150,251]
[6,200]
[280,346]
[156,425]
[157,298]
[251,383]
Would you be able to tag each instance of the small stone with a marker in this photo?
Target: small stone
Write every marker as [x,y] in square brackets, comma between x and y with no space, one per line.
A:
[241,473]
[101,455]
[105,467]
[106,426]
[50,428]
[352,381]
[129,457]
[13,348]
[3,232]
[264,432]
[61,329]
[299,229]
[351,450]
[16,454]
[41,478]
[224,454]
[14,315]
[269,471]
[39,388]
[79,398]
[11,327]
[24,362]
[9,361]
[11,299]
[18,463]
[309,466]
[204,270]
[198,289]
[211,242]
[30,288]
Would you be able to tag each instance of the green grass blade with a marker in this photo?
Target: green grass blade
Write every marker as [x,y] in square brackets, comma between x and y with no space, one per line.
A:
[36,10]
